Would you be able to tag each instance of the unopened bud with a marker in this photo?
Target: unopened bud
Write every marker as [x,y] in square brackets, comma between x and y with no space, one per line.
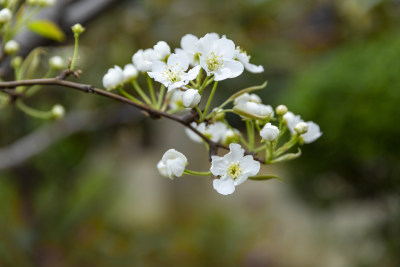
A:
[58,111]
[57,63]
[301,128]
[78,29]
[11,47]
[281,110]
[16,62]
[5,15]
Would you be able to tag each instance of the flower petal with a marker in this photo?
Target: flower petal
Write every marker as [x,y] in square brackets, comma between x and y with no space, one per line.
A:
[224,186]
[235,67]
[225,47]
[218,165]
[178,62]
[235,154]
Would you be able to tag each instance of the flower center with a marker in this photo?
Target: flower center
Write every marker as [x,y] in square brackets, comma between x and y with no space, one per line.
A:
[234,170]
[172,75]
[214,62]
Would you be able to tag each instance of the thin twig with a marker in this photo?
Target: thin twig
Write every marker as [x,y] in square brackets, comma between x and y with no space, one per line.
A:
[153,113]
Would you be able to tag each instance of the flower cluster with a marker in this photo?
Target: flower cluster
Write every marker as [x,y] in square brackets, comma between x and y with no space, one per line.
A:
[184,76]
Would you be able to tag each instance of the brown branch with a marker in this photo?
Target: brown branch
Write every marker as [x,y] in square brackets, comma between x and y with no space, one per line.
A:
[154,113]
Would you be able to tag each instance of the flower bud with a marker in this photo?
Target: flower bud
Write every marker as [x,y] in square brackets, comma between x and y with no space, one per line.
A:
[78,29]
[58,111]
[172,164]
[231,136]
[5,15]
[219,114]
[16,62]
[301,127]
[191,98]
[11,47]
[113,78]
[281,110]
[57,63]
[162,49]
[130,72]
[269,132]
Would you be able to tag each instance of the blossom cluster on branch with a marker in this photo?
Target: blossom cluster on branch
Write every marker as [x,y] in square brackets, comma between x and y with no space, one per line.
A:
[179,86]
[188,80]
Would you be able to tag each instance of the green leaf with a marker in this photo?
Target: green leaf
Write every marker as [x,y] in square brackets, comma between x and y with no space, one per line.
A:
[47,29]
[266,177]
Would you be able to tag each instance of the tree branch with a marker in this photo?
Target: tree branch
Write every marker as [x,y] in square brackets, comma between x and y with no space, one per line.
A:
[151,112]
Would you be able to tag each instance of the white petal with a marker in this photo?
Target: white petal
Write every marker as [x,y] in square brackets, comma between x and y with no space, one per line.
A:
[224,187]
[158,66]
[191,74]
[188,42]
[178,62]
[253,68]
[236,68]
[236,152]
[250,166]
[191,98]
[192,135]
[312,134]
[218,166]
[225,47]
[162,168]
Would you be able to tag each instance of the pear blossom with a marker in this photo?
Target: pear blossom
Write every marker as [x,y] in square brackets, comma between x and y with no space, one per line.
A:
[173,73]
[217,57]
[5,15]
[191,98]
[243,58]
[130,73]
[215,132]
[172,164]
[233,169]
[113,78]
[144,59]
[312,134]
[269,132]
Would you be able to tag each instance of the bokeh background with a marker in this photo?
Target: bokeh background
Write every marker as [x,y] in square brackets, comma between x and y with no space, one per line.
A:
[84,191]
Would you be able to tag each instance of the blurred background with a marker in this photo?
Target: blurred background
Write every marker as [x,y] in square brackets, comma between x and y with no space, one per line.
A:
[84,191]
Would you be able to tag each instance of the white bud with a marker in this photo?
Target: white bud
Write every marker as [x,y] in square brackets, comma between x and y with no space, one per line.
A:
[281,110]
[113,78]
[57,63]
[269,132]
[5,15]
[58,111]
[172,164]
[191,98]
[312,134]
[301,127]
[11,47]
[130,72]
[78,29]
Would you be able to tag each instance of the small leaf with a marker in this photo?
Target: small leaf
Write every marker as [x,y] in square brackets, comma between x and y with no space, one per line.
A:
[266,177]
[47,29]
[247,90]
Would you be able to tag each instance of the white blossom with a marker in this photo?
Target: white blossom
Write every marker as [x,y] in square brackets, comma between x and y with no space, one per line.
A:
[233,169]
[189,48]
[5,15]
[243,58]
[162,50]
[269,132]
[172,164]
[312,134]
[191,98]
[113,78]
[173,74]
[215,132]
[130,73]
[217,57]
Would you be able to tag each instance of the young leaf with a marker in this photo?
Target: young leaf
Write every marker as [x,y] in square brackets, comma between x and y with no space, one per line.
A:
[47,29]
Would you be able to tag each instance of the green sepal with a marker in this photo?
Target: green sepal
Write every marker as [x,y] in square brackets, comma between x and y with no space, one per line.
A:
[247,90]
[286,157]
[266,177]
